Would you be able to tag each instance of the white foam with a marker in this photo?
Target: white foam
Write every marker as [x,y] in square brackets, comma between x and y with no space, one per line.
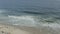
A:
[29,21]
[21,17]
[52,25]
[22,20]
[15,24]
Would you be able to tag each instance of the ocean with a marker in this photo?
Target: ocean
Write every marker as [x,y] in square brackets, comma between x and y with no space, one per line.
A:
[32,13]
[31,17]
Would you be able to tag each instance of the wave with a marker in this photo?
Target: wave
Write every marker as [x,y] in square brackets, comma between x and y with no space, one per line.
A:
[30,20]
[22,20]
[33,21]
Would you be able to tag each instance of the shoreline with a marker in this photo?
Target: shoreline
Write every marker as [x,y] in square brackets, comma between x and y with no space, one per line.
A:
[27,30]
[30,30]
[6,29]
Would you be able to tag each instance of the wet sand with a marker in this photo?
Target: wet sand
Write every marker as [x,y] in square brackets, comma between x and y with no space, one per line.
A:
[10,29]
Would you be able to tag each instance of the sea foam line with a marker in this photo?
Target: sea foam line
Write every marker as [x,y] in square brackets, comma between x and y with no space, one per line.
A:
[30,20]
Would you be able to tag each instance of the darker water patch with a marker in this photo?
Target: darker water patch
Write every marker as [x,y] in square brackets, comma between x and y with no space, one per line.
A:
[50,21]
[57,17]
[31,12]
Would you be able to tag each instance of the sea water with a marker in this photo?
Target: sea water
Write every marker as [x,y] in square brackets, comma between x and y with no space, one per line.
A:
[32,13]
[30,17]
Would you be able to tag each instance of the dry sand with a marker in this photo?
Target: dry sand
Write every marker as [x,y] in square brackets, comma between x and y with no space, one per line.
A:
[6,29]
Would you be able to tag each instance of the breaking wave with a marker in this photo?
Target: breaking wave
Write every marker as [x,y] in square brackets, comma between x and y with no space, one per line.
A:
[34,21]
[31,19]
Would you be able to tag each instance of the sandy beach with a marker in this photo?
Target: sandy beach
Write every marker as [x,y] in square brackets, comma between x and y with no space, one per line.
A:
[6,29]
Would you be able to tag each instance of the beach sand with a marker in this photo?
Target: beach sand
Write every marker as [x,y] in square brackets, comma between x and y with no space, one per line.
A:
[4,29]
[7,29]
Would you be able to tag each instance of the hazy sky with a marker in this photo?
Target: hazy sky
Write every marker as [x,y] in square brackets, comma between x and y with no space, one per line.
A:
[19,3]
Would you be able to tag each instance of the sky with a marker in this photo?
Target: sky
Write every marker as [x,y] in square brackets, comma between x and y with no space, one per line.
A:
[19,3]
